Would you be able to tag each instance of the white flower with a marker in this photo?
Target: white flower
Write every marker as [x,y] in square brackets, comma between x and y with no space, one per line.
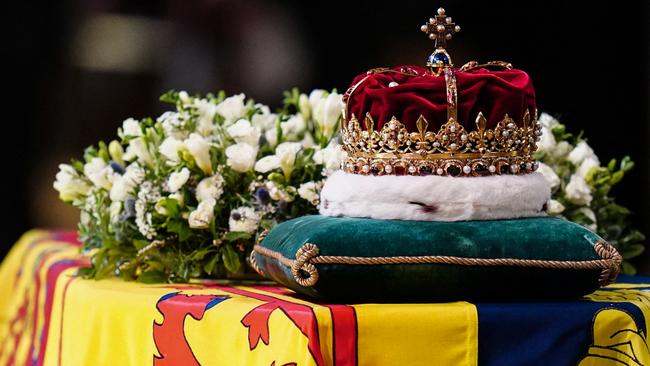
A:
[264,121]
[549,174]
[232,108]
[547,121]
[310,191]
[591,216]
[267,163]
[561,150]
[243,131]
[330,157]
[304,106]
[327,113]
[286,152]
[203,215]
[292,127]
[124,185]
[243,219]
[308,141]
[278,194]
[577,191]
[586,166]
[148,195]
[174,124]
[199,147]
[69,184]
[178,179]
[99,173]
[205,122]
[271,136]
[116,151]
[178,197]
[183,97]
[315,97]
[129,154]
[170,149]
[547,141]
[581,152]
[554,207]
[210,188]
[140,149]
[114,211]
[241,157]
[131,128]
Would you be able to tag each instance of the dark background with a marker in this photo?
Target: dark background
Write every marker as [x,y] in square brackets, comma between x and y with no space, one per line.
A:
[74,70]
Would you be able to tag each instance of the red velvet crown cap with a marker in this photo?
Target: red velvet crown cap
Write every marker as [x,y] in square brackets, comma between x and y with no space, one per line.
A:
[418,92]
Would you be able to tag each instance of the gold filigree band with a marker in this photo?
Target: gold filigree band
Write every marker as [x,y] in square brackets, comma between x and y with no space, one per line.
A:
[452,150]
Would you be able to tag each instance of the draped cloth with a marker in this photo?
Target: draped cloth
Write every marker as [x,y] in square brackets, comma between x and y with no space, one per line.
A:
[50,316]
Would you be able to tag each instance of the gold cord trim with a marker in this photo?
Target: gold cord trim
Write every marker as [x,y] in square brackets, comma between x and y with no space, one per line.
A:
[305,273]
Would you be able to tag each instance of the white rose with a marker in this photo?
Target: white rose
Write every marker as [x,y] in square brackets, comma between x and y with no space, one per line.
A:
[69,184]
[170,149]
[591,216]
[203,215]
[286,153]
[205,122]
[547,121]
[549,174]
[547,141]
[578,191]
[124,185]
[210,188]
[243,131]
[581,152]
[199,147]
[232,108]
[99,173]
[554,207]
[241,157]
[131,128]
[292,127]
[178,179]
[586,166]
[141,151]
[267,163]
[243,219]
[331,157]
[327,113]
[310,191]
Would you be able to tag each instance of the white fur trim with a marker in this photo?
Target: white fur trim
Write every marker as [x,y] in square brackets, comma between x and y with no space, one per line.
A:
[435,198]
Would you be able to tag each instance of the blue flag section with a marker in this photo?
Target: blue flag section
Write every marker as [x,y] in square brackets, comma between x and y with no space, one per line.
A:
[608,327]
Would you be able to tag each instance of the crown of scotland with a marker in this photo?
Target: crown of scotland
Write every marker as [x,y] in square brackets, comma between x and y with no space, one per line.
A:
[476,120]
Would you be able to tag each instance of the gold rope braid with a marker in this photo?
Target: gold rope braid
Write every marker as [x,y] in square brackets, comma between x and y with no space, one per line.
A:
[305,273]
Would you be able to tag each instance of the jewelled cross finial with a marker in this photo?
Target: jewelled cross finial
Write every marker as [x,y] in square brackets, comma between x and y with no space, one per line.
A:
[440,29]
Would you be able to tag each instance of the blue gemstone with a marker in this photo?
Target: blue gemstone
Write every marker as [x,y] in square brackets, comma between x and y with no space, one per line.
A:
[439,58]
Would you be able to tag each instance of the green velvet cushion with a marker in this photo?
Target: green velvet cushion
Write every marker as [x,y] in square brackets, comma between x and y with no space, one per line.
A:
[353,259]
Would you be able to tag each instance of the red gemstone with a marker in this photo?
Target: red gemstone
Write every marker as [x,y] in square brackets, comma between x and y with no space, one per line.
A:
[399,170]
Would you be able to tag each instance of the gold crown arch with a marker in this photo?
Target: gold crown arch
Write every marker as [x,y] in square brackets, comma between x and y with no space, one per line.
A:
[450,151]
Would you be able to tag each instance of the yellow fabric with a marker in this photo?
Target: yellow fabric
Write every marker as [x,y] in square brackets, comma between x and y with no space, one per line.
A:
[111,322]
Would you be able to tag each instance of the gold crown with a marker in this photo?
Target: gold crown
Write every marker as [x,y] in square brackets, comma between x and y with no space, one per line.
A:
[452,150]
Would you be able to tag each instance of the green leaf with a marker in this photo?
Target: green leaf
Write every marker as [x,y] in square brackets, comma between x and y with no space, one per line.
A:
[170,97]
[236,235]
[139,244]
[212,263]
[616,177]
[612,165]
[230,258]
[153,276]
[632,250]
[181,228]
[628,269]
